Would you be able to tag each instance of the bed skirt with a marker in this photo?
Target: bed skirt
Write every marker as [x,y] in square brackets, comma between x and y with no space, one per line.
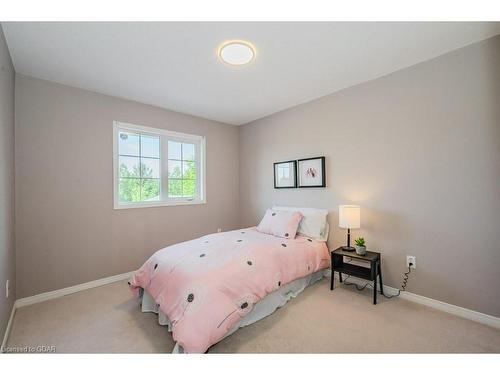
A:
[261,309]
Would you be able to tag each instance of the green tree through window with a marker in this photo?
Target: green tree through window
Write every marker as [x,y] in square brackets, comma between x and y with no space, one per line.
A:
[136,189]
[157,167]
[182,173]
[139,157]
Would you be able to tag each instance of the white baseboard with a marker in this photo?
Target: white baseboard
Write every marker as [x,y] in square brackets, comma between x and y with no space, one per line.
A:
[462,312]
[476,316]
[70,290]
[7,329]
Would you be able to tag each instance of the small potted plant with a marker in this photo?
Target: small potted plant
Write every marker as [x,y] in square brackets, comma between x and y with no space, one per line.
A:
[360,246]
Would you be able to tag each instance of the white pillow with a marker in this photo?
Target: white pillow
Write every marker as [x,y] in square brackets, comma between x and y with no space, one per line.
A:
[313,224]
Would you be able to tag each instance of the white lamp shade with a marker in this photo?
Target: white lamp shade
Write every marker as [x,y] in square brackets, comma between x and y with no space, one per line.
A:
[349,216]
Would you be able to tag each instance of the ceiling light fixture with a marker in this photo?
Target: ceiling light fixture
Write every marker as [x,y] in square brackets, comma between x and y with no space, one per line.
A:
[236,52]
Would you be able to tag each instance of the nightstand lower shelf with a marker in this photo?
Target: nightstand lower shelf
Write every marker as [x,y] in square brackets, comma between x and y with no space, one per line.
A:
[353,270]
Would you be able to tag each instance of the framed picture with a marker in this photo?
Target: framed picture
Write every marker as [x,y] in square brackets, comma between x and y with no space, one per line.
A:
[311,172]
[285,174]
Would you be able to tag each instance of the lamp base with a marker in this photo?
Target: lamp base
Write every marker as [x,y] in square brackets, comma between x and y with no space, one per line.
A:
[348,248]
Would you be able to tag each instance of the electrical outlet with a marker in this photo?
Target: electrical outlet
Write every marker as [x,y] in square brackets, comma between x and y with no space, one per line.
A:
[219,230]
[411,259]
[7,288]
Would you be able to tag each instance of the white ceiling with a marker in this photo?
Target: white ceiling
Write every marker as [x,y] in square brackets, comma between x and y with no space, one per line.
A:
[175,65]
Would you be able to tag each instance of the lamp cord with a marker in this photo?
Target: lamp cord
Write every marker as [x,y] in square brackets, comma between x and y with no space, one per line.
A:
[406,275]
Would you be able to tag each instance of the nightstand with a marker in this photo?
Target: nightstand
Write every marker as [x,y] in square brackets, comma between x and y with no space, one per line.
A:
[367,273]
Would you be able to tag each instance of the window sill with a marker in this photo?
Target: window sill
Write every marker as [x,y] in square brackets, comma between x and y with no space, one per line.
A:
[122,206]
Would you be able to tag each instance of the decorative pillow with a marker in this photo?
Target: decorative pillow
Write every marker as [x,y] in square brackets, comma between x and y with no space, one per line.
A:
[314,223]
[280,223]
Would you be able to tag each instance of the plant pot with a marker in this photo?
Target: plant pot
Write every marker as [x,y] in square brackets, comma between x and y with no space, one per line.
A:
[360,250]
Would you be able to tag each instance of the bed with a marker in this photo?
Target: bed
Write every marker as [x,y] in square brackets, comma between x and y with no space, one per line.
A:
[207,288]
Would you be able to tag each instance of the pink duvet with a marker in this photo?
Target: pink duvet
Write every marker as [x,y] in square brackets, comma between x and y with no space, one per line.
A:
[205,286]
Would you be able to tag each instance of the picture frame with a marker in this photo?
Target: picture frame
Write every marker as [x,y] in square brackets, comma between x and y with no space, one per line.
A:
[285,174]
[311,172]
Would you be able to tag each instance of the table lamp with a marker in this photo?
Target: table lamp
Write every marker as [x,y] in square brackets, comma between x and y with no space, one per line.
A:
[349,218]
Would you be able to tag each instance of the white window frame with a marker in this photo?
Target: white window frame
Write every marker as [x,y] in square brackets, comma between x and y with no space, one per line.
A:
[170,135]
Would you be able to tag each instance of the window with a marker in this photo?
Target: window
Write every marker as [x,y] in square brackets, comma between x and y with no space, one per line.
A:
[155,167]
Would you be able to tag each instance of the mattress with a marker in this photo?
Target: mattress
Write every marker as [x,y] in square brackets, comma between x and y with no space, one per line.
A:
[261,309]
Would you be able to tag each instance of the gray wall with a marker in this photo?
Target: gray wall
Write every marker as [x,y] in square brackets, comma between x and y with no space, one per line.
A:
[419,150]
[67,230]
[7,256]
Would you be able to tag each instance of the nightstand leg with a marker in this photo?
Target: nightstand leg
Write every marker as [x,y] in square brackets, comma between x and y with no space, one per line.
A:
[340,277]
[331,279]
[375,291]
[380,278]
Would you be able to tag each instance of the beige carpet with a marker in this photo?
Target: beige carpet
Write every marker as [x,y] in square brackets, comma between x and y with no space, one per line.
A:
[108,320]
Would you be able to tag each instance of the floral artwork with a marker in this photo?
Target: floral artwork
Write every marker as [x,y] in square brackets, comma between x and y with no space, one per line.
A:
[311,172]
